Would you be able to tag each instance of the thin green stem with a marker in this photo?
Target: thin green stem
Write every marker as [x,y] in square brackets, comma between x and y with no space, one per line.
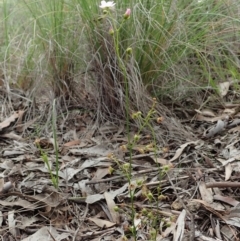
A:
[55,140]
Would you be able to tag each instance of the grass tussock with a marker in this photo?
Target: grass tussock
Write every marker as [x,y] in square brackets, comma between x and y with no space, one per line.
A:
[177,48]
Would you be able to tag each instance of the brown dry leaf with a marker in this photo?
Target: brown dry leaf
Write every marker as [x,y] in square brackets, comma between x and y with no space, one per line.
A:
[167,231]
[216,129]
[211,119]
[102,223]
[9,121]
[72,143]
[162,161]
[229,112]
[233,216]
[45,200]
[21,203]
[223,88]
[120,130]
[4,187]
[228,200]
[11,153]
[99,150]
[109,128]
[1,185]
[228,171]
[44,234]
[207,113]
[100,173]
[25,222]
[11,135]
[52,200]
[180,224]
[7,165]
[111,205]
[234,123]
[228,232]
[94,198]
[12,223]
[230,160]
[234,221]
[1,218]
[21,127]
[206,193]
[213,208]
[137,221]
[181,149]
[216,227]
[19,120]
[235,129]
[59,220]
[69,172]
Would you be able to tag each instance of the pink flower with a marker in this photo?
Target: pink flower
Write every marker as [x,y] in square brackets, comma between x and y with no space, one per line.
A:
[127,13]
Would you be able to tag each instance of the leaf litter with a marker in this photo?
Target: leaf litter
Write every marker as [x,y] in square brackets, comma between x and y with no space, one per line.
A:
[198,197]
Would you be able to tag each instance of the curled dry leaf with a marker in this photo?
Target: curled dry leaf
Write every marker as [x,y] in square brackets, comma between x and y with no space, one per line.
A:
[12,223]
[228,200]
[11,135]
[206,193]
[216,129]
[19,203]
[1,218]
[94,198]
[4,187]
[111,205]
[9,122]
[102,223]
[27,221]
[100,173]
[181,149]
[213,208]
[223,88]
[180,224]
[207,113]
[228,171]
[72,143]
[43,234]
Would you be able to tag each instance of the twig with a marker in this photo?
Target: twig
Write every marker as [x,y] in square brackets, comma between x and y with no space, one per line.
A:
[97,233]
[192,227]
[222,184]
[198,234]
[79,225]
[121,177]
[51,235]
[143,155]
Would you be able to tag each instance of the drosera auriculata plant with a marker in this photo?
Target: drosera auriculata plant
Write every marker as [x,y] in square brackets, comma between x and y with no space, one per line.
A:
[145,122]
[149,215]
[114,32]
[53,175]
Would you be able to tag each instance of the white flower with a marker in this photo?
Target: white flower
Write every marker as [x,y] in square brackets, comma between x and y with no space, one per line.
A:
[107,5]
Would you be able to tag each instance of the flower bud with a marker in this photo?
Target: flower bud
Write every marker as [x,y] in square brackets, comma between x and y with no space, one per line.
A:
[110,170]
[116,209]
[129,50]
[127,14]
[136,137]
[126,166]
[111,31]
